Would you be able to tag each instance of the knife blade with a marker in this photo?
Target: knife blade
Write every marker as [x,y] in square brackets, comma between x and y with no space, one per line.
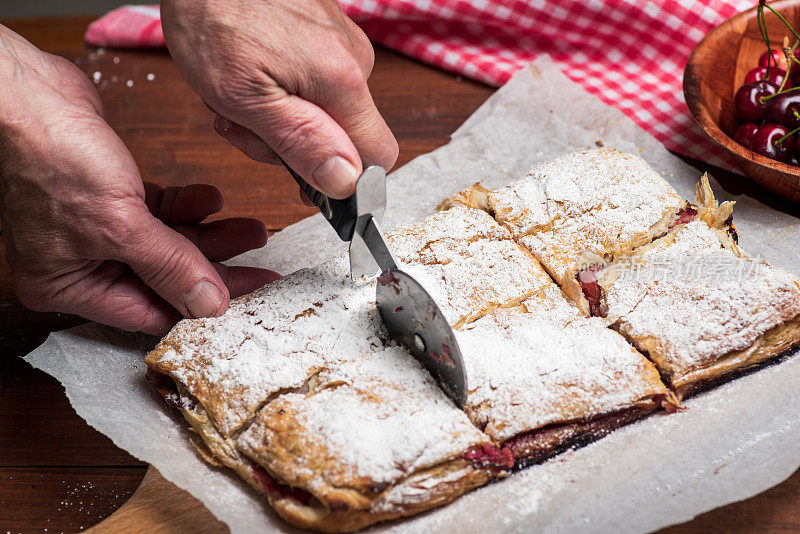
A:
[410,314]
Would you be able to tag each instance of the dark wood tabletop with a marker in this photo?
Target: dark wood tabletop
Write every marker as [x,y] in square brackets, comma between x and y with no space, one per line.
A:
[57,474]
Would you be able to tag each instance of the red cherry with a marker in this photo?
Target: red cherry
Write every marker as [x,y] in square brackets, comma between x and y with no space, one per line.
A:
[795,159]
[776,75]
[795,76]
[744,133]
[778,59]
[748,103]
[782,109]
[765,142]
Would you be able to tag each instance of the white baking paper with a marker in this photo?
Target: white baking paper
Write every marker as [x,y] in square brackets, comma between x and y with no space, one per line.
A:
[732,443]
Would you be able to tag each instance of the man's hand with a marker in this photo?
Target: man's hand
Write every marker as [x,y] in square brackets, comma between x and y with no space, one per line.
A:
[285,77]
[83,234]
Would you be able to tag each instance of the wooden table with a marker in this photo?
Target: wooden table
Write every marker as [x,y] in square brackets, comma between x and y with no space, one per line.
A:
[58,474]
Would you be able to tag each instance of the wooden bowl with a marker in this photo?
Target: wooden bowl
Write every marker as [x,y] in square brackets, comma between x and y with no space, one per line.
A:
[717,67]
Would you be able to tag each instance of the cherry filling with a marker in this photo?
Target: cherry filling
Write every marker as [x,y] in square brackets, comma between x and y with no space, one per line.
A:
[686,215]
[445,357]
[388,279]
[167,388]
[587,278]
[669,402]
[491,457]
[275,489]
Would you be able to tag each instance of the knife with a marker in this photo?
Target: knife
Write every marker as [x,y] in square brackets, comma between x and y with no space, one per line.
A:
[410,314]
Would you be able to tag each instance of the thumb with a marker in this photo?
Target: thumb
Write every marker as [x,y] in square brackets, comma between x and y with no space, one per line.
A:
[174,268]
[307,139]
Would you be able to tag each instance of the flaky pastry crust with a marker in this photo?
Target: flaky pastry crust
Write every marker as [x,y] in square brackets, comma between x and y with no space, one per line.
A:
[300,391]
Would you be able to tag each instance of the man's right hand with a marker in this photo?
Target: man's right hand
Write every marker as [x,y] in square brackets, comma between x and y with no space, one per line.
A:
[287,78]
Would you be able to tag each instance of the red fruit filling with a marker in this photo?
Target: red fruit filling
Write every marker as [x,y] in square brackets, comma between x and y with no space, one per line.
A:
[388,279]
[445,357]
[491,457]
[168,390]
[275,489]
[587,278]
[536,444]
[668,402]
[686,215]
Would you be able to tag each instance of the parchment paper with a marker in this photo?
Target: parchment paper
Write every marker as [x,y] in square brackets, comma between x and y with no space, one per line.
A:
[732,443]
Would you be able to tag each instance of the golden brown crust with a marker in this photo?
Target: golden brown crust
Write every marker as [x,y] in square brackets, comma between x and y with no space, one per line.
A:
[691,321]
[417,494]
[468,263]
[774,343]
[595,205]
[344,509]
[476,197]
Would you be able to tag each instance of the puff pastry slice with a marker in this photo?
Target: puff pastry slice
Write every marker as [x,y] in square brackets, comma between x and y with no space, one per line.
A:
[468,263]
[700,308]
[270,341]
[582,207]
[374,440]
[543,377]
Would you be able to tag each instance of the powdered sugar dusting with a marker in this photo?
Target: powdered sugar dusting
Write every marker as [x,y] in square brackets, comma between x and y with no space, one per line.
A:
[436,239]
[698,299]
[468,263]
[270,340]
[602,201]
[486,275]
[351,411]
[546,363]
[381,417]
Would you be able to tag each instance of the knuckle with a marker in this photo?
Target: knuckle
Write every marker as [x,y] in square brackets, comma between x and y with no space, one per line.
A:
[345,71]
[139,316]
[298,134]
[238,86]
[366,53]
[116,228]
[167,263]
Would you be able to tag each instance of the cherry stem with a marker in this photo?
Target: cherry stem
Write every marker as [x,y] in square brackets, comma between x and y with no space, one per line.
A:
[762,28]
[765,99]
[786,78]
[779,142]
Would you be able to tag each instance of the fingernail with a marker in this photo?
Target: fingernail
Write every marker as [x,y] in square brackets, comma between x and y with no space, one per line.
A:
[336,176]
[203,300]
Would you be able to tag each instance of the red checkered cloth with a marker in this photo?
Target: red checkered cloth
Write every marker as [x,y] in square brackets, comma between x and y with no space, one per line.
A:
[629,53]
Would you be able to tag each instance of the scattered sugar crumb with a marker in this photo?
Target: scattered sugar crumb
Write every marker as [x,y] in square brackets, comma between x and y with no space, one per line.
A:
[96,76]
[129,83]
[151,77]
[116,60]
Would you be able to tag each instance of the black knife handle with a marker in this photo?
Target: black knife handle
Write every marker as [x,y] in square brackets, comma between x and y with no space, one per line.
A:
[341,214]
